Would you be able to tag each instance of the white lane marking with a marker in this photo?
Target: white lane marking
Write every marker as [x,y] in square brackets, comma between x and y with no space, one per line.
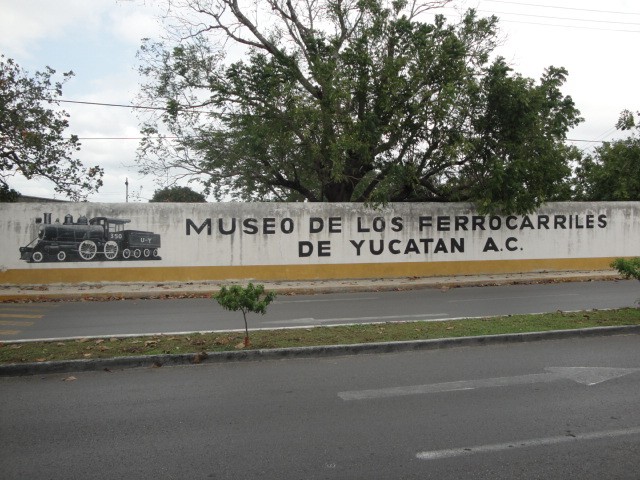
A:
[332,300]
[443,387]
[584,375]
[416,317]
[590,375]
[529,297]
[534,442]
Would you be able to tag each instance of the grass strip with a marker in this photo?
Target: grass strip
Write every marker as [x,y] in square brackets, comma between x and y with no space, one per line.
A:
[326,335]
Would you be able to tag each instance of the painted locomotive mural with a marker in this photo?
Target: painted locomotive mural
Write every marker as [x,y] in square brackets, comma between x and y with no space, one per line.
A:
[95,239]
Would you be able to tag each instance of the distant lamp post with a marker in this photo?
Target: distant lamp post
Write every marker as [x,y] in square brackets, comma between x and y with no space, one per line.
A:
[126,183]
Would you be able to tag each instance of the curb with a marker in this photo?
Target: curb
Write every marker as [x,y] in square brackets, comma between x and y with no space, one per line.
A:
[155,361]
[304,289]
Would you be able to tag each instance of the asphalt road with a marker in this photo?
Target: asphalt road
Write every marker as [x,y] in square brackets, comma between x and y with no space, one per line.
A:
[79,319]
[553,410]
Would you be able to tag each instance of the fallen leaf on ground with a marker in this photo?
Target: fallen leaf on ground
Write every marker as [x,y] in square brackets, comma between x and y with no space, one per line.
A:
[198,357]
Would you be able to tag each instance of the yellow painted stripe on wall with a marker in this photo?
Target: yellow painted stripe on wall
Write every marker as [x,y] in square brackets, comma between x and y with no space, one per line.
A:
[299,272]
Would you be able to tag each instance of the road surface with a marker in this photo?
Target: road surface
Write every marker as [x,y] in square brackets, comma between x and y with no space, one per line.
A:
[553,409]
[112,318]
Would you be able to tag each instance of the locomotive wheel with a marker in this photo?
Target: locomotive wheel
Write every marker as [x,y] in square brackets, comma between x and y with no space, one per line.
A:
[87,250]
[136,253]
[126,253]
[111,250]
[37,257]
[146,253]
[62,256]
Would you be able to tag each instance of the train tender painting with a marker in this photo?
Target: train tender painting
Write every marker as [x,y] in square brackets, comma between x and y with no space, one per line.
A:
[95,239]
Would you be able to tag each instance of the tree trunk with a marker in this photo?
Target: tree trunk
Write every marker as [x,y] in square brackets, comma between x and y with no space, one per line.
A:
[247,342]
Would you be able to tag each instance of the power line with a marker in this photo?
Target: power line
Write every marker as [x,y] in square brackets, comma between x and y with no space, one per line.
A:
[570,19]
[135,107]
[119,105]
[562,8]
[118,138]
[168,137]
[560,18]
[569,26]
[177,138]
[581,140]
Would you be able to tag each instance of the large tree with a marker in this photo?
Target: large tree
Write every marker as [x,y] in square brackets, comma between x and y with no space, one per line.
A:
[351,100]
[612,173]
[32,138]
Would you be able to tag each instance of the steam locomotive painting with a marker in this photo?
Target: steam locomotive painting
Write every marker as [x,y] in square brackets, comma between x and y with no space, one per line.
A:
[96,239]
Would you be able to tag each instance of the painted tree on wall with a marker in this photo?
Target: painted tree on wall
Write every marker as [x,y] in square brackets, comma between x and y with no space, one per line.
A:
[351,100]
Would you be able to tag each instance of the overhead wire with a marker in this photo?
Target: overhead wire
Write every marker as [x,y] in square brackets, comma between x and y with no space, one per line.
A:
[563,8]
[551,17]
[171,137]
[555,25]
[559,18]
[505,2]
[121,105]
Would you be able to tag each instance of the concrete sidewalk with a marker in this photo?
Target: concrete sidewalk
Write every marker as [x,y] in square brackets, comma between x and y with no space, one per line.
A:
[107,291]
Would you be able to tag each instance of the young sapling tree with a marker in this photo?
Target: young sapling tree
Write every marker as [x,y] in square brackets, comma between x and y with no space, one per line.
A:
[251,298]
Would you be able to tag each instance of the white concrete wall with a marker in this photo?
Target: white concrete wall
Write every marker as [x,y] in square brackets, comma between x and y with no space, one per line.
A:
[313,235]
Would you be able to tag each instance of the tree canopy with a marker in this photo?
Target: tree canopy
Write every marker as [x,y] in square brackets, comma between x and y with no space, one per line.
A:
[352,100]
[32,140]
[177,194]
[612,173]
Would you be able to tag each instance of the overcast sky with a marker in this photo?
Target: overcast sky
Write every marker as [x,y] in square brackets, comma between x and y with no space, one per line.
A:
[596,41]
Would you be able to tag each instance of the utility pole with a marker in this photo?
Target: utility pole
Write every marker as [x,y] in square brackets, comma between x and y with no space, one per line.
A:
[126,183]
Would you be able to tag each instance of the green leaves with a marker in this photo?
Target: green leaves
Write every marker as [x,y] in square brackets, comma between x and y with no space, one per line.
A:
[627,267]
[32,136]
[360,101]
[251,298]
[613,172]
[177,194]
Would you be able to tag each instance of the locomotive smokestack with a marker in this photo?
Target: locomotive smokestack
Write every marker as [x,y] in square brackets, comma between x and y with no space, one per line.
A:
[47,219]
